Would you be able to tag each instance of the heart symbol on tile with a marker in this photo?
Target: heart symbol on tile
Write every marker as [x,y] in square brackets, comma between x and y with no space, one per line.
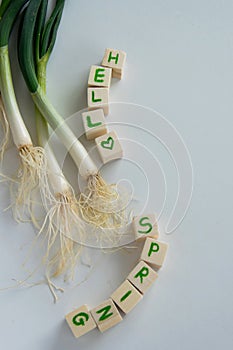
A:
[108,144]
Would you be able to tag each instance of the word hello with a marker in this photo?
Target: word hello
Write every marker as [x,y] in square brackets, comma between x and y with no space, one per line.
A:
[99,82]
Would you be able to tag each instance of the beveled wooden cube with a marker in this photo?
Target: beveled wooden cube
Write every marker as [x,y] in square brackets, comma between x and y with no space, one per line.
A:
[142,276]
[145,226]
[106,315]
[100,76]
[109,147]
[126,296]
[115,59]
[98,98]
[94,124]
[154,252]
[80,321]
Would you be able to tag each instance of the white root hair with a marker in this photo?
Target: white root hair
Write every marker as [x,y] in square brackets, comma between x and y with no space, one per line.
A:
[62,251]
[31,174]
[102,205]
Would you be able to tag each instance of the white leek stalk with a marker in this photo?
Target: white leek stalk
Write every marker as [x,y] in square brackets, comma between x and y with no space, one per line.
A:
[32,160]
[61,206]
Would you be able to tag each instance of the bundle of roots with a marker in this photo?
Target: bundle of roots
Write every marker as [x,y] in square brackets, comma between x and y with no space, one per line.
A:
[102,205]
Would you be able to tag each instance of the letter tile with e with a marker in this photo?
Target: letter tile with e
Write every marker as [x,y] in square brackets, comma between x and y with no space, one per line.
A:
[100,76]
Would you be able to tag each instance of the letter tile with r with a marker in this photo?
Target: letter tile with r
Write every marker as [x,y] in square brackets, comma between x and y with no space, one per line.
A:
[142,276]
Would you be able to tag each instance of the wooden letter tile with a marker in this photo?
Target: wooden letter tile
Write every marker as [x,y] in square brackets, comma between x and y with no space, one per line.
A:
[100,76]
[154,252]
[142,276]
[115,59]
[118,74]
[98,98]
[80,321]
[126,296]
[109,147]
[94,123]
[106,315]
[145,226]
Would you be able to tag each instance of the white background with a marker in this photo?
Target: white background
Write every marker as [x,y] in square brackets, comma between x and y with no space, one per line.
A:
[179,63]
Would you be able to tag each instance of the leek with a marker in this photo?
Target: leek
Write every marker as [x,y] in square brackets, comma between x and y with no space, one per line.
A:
[62,208]
[32,160]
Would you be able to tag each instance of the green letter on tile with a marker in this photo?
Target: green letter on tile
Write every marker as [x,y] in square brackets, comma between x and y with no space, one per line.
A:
[154,248]
[105,311]
[82,318]
[126,295]
[110,57]
[98,75]
[93,97]
[90,124]
[142,273]
[144,224]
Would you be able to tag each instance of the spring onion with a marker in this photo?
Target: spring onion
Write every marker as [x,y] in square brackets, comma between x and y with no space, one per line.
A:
[61,205]
[32,160]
